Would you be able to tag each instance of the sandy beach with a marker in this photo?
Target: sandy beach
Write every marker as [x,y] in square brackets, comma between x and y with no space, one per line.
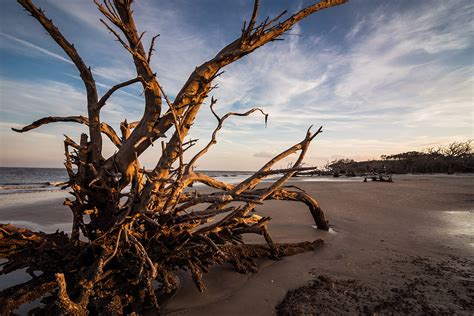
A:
[404,247]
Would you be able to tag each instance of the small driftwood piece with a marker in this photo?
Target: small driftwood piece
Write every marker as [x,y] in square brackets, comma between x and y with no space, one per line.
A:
[378,177]
[133,228]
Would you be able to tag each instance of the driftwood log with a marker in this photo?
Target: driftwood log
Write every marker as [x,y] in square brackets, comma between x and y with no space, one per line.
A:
[132,228]
[378,177]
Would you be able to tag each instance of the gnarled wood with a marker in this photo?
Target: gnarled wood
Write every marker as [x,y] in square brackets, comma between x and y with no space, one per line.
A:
[141,226]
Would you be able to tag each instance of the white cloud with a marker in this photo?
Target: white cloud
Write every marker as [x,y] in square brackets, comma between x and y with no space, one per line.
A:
[25,44]
[22,102]
[85,13]
[396,47]
[26,99]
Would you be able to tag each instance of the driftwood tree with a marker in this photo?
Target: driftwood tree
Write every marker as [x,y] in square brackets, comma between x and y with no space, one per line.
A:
[133,227]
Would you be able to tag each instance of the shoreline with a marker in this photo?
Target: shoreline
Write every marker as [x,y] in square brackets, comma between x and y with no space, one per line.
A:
[378,230]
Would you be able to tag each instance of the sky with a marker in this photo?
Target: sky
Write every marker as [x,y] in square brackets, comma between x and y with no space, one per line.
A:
[381,77]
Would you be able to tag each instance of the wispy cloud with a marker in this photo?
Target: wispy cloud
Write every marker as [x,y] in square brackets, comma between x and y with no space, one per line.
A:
[30,46]
[24,99]
[396,46]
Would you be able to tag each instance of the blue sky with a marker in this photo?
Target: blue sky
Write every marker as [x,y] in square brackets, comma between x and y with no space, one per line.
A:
[381,77]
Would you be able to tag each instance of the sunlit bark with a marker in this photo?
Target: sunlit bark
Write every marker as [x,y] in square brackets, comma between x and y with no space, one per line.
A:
[141,225]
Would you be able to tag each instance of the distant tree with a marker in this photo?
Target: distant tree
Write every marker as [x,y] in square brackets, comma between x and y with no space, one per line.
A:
[141,225]
[341,166]
[458,149]
[455,157]
[455,154]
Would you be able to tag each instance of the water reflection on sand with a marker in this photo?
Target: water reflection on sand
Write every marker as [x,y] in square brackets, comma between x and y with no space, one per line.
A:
[460,223]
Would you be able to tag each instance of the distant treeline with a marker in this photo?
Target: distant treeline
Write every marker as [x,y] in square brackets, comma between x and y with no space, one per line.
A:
[457,157]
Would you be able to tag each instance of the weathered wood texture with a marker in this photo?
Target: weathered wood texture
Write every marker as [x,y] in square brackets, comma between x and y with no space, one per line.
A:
[142,225]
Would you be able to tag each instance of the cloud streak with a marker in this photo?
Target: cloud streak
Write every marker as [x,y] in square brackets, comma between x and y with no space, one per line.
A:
[36,48]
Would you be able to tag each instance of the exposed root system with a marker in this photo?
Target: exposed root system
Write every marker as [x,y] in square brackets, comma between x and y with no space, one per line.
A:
[133,228]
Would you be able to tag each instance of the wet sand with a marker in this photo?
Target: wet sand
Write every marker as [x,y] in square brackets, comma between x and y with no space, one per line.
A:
[388,238]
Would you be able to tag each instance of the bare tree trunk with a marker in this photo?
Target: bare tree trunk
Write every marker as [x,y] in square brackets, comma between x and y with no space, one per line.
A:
[143,233]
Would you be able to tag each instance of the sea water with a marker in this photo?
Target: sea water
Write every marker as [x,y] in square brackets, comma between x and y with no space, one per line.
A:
[27,180]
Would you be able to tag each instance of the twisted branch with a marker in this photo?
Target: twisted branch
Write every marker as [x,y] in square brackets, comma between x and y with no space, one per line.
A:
[104,127]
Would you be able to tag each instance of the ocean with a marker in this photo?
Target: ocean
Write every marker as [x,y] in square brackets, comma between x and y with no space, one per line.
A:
[27,180]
